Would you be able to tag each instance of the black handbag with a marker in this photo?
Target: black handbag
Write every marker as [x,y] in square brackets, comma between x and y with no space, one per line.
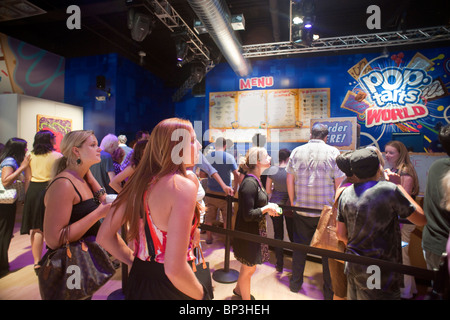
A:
[203,273]
[74,271]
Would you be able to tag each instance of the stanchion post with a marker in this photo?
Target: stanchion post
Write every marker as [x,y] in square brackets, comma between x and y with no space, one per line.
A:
[227,275]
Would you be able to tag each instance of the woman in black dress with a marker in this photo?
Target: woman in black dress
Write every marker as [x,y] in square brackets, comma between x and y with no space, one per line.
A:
[253,205]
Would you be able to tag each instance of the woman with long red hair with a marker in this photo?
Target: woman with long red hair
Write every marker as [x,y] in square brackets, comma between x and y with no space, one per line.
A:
[158,205]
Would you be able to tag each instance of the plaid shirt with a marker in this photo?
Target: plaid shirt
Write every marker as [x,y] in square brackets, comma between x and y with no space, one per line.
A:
[314,168]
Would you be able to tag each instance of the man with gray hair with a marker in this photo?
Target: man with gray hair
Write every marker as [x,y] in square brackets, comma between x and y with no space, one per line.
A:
[312,179]
[123,144]
[104,170]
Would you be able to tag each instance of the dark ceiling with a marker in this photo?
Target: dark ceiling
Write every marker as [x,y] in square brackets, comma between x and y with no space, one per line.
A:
[104,26]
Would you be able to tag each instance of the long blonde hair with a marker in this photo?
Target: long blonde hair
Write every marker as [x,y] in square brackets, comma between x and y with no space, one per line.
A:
[156,162]
[72,139]
[404,164]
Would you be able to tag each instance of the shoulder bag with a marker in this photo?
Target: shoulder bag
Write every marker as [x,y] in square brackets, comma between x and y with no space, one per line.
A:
[74,271]
[325,236]
[8,194]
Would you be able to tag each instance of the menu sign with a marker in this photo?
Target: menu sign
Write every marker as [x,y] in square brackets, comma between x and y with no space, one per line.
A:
[287,109]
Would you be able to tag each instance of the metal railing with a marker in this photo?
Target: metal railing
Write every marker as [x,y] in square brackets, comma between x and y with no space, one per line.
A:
[438,277]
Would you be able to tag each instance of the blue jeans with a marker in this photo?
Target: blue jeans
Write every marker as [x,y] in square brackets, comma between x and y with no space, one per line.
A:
[304,228]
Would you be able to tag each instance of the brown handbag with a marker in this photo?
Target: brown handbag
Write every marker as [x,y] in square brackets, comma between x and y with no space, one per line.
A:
[325,236]
[58,269]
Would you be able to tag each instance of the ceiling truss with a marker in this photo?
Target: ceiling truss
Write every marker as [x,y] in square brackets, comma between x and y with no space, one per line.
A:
[383,39]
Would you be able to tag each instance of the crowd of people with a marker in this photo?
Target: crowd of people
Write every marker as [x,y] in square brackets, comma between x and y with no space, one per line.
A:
[162,181]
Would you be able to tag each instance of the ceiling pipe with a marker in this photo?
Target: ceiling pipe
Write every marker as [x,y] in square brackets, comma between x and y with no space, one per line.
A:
[216,18]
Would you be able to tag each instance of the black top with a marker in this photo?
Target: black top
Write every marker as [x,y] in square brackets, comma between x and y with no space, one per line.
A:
[252,197]
[82,209]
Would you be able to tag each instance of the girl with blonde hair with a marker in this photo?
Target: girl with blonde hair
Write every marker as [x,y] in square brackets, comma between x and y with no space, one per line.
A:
[253,206]
[158,205]
[73,199]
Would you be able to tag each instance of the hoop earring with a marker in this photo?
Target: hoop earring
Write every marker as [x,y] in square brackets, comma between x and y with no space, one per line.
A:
[78,161]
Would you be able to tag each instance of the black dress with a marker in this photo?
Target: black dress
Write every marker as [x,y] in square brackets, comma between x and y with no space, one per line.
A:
[252,197]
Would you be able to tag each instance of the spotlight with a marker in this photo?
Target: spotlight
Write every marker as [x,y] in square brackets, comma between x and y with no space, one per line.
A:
[181,48]
[297,16]
[189,57]
[303,36]
[308,22]
[181,39]
[297,20]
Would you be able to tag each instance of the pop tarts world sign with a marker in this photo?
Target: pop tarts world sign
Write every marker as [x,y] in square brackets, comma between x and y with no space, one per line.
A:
[396,94]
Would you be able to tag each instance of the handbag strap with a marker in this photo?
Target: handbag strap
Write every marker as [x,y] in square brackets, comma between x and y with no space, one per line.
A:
[338,195]
[148,233]
[194,267]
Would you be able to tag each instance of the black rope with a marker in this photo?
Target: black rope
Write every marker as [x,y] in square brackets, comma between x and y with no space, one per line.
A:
[404,269]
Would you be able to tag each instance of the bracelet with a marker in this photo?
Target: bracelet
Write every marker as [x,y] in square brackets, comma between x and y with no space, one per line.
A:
[99,193]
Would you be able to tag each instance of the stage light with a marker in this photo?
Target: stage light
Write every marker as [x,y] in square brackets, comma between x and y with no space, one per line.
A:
[181,48]
[181,45]
[297,20]
[308,22]
[297,16]
[303,36]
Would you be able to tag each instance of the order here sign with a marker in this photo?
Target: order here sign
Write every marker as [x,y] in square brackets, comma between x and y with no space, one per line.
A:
[342,132]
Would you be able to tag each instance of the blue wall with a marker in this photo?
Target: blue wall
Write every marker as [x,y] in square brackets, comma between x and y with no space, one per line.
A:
[138,98]
[81,90]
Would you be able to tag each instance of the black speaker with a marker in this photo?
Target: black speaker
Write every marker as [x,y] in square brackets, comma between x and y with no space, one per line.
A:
[101,82]
[141,26]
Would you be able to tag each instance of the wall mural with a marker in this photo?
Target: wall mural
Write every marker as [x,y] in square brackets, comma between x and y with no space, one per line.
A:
[398,93]
[26,69]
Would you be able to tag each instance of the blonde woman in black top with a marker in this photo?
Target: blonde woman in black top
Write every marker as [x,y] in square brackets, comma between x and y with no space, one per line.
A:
[253,206]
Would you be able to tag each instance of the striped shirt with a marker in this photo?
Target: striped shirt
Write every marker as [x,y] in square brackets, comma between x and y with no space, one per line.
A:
[314,168]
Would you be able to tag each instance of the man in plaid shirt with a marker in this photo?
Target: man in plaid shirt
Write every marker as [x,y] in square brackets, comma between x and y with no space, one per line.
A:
[312,179]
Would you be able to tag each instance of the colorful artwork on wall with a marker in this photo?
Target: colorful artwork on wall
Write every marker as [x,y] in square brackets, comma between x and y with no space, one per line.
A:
[402,92]
[59,127]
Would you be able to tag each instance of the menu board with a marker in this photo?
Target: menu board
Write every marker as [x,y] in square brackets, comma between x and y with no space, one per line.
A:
[252,109]
[282,108]
[314,104]
[238,115]
[222,109]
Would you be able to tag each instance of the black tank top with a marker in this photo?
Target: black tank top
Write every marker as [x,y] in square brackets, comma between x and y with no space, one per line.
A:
[82,209]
